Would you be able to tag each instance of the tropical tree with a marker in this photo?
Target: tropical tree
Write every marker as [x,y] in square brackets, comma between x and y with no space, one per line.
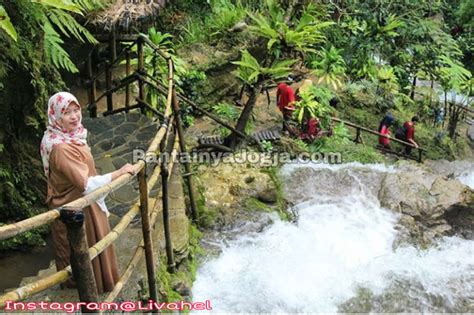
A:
[254,76]
[284,39]
[458,79]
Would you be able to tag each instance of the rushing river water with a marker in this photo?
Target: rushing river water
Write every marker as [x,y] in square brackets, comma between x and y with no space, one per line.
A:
[338,257]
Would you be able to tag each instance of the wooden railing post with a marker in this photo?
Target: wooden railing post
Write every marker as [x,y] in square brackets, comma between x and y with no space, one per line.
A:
[92,90]
[80,260]
[357,139]
[141,70]
[146,229]
[165,199]
[187,165]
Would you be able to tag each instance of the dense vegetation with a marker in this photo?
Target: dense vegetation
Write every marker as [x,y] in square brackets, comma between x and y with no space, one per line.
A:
[366,54]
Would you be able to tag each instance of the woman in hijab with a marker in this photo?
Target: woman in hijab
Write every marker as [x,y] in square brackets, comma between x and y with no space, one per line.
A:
[384,126]
[70,170]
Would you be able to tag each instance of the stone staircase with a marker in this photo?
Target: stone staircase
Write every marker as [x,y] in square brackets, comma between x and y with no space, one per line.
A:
[112,140]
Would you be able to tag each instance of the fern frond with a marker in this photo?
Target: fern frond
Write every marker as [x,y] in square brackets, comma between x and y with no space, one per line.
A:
[90,5]
[66,5]
[54,52]
[69,26]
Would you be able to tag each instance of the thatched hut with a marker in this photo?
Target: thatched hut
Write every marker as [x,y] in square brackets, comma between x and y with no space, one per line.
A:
[126,16]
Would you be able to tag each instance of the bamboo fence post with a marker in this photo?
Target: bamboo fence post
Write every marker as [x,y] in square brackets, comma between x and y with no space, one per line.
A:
[80,260]
[187,167]
[127,73]
[164,198]
[140,66]
[146,229]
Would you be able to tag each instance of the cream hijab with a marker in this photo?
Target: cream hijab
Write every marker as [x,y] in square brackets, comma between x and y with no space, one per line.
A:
[55,133]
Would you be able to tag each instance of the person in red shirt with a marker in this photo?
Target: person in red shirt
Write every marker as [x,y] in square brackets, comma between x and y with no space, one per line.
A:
[384,130]
[407,134]
[286,102]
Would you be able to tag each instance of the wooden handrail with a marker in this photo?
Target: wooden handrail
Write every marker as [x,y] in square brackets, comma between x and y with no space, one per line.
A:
[377,133]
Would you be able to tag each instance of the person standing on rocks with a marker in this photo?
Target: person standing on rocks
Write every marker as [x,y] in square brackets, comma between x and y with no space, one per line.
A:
[407,134]
[70,170]
[286,103]
[385,131]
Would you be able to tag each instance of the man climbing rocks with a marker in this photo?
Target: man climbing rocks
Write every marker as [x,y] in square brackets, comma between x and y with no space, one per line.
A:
[286,103]
[407,134]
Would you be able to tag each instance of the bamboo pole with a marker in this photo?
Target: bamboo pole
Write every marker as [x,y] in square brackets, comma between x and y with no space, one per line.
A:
[140,249]
[165,203]
[187,166]
[80,262]
[140,69]
[146,230]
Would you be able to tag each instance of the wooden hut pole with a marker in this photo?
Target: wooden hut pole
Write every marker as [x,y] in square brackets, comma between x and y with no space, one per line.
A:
[108,86]
[146,229]
[80,261]
[141,90]
[127,73]
[187,165]
[92,91]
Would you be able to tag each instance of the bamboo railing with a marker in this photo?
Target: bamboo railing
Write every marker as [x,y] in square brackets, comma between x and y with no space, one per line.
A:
[82,268]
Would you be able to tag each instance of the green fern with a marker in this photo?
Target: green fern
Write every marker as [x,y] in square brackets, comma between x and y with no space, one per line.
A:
[6,24]
[66,5]
[69,26]
[90,5]
[54,51]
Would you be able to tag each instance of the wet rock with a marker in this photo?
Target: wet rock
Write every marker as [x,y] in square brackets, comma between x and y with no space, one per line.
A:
[239,27]
[182,289]
[268,195]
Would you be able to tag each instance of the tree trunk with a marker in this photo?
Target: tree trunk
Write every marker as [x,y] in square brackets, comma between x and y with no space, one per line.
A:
[431,92]
[413,87]
[445,106]
[453,122]
[233,140]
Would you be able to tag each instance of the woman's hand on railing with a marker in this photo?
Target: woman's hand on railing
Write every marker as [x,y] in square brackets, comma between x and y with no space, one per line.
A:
[126,169]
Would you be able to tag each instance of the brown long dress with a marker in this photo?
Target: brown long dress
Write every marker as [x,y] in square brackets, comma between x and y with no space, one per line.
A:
[70,166]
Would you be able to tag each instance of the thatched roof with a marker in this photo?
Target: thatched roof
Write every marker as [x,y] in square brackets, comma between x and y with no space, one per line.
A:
[127,13]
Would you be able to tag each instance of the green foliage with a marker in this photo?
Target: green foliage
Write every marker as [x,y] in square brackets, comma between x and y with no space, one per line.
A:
[225,111]
[253,204]
[329,68]
[305,33]
[454,76]
[66,5]
[250,71]
[267,146]
[314,103]
[273,173]
[216,24]
[6,24]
